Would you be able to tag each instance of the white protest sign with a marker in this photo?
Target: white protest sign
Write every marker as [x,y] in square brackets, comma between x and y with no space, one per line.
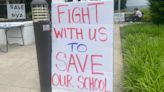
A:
[16,11]
[82,46]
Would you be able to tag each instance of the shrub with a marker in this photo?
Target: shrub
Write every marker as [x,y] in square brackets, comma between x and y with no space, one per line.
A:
[143,54]
[157,11]
[146,15]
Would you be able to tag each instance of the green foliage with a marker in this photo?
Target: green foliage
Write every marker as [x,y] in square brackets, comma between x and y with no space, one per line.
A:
[146,15]
[157,10]
[143,54]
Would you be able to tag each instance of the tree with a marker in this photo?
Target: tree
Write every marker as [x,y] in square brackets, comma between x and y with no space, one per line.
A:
[157,11]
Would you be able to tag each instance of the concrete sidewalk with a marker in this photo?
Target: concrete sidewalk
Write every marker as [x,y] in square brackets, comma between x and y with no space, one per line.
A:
[19,71]
[118,61]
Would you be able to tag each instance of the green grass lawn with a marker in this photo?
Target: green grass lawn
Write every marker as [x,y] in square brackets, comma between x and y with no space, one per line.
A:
[143,54]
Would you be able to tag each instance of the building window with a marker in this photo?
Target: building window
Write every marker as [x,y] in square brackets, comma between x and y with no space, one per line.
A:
[3,6]
[3,11]
[16,1]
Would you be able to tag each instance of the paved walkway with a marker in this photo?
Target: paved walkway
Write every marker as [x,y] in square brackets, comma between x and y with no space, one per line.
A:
[19,71]
[118,64]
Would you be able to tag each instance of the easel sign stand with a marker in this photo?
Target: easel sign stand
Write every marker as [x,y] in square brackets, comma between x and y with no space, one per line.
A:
[82,46]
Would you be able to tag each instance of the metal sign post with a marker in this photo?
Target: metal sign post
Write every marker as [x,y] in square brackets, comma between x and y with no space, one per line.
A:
[40,14]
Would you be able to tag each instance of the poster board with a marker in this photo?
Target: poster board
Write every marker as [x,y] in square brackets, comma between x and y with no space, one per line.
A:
[82,46]
[16,11]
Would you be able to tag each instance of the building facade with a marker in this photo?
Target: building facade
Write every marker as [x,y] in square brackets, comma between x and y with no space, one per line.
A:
[3,6]
[131,4]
